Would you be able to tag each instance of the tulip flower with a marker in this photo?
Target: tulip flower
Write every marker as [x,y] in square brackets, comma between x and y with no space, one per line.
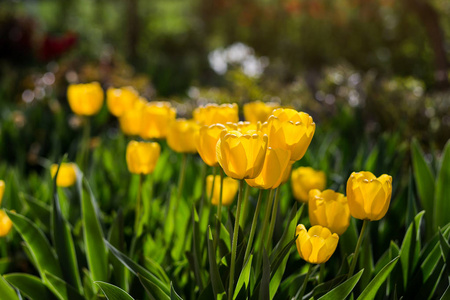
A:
[131,120]
[85,99]
[142,157]
[317,244]
[121,100]
[276,162]
[329,209]
[304,179]
[258,111]
[290,130]
[230,188]
[241,155]
[213,113]
[156,117]
[67,174]
[5,224]
[2,190]
[368,196]
[207,141]
[182,135]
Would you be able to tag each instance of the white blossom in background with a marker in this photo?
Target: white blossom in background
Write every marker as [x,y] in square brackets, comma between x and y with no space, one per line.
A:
[237,55]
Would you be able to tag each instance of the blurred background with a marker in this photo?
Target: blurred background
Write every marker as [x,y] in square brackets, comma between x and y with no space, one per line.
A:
[361,68]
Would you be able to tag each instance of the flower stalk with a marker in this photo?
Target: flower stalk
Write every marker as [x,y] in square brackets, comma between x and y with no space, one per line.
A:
[358,245]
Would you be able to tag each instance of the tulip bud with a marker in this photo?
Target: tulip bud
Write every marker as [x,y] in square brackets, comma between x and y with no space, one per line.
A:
[258,111]
[131,119]
[304,179]
[276,163]
[290,130]
[182,135]
[67,174]
[121,100]
[317,244]
[156,119]
[5,224]
[85,99]
[329,209]
[2,190]
[207,141]
[369,196]
[230,188]
[213,114]
[142,157]
[241,155]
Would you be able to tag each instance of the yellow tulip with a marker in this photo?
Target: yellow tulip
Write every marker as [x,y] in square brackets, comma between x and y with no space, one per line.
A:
[276,163]
[156,118]
[304,179]
[85,99]
[131,120]
[241,155]
[258,111]
[369,196]
[67,174]
[230,188]
[213,114]
[329,209]
[317,244]
[2,190]
[121,100]
[207,141]
[5,224]
[142,157]
[290,130]
[182,135]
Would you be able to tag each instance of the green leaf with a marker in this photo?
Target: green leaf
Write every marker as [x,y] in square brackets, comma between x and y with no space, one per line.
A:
[410,250]
[244,277]
[113,292]
[152,289]
[96,252]
[7,291]
[29,285]
[442,200]
[216,280]
[40,249]
[425,183]
[173,293]
[62,239]
[411,210]
[38,209]
[196,251]
[264,292]
[446,294]
[137,269]
[445,250]
[62,289]
[371,290]
[116,238]
[344,289]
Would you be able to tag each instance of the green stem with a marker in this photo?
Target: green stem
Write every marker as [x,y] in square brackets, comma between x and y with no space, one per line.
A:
[358,245]
[322,273]
[235,240]
[301,292]
[85,144]
[181,178]
[219,209]
[245,209]
[138,205]
[273,219]
[253,228]
[264,230]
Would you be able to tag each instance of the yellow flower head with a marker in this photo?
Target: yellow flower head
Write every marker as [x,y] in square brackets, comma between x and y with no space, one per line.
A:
[85,99]
[290,130]
[241,155]
[206,143]
[142,157]
[369,196]
[304,179]
[131,119]
[2,190]
[121,100]
[156,118]
[5,224]
[317,244]
[213,114]
[276,164]
[182,135]
[329,209]
[230,188]
[258,111]
[67,174]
